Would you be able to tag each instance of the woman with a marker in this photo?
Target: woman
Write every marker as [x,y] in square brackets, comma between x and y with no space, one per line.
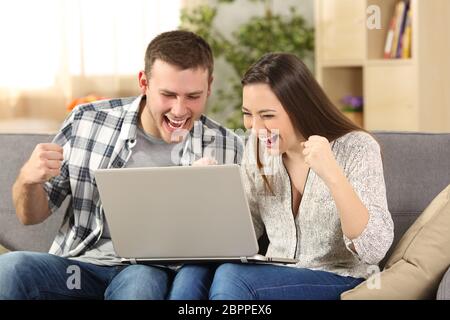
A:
[315,186]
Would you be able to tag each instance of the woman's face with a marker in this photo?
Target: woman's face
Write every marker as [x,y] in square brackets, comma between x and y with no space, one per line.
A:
[266,117]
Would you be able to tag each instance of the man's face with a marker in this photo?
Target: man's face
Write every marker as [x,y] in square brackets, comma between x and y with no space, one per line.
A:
[175,99]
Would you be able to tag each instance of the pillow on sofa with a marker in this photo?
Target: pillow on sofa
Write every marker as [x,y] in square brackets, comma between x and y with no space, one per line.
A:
[420,260]
[3,249]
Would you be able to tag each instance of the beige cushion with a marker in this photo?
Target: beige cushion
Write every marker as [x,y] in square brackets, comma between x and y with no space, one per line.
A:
[3,249]
[418,263]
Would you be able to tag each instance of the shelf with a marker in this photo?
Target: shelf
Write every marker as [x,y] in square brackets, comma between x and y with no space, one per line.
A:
[342,63]
[356,117]
[391,97]
[339,82]
[399,94]
[370,62]
[390,62]
[337,25]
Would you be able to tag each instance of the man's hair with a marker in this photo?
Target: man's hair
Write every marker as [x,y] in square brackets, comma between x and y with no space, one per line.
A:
[183,49]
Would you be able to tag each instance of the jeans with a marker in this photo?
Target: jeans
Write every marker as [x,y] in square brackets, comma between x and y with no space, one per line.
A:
[30,275]
[270,282]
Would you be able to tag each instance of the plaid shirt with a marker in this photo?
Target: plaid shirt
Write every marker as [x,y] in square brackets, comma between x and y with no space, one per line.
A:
[101,135]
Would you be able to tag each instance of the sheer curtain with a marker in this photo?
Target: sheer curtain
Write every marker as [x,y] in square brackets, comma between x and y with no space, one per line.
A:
[53,51]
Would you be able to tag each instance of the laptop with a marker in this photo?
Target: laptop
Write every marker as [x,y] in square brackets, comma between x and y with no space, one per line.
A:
[183,214]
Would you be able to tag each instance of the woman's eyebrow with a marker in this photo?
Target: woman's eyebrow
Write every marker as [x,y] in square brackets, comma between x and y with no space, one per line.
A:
[260,111]
[266,110]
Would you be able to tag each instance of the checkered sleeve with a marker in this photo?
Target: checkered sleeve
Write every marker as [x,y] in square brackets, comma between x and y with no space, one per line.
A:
[232,149]
[58,187]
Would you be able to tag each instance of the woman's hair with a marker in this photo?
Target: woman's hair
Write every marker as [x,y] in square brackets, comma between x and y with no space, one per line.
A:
[308,107]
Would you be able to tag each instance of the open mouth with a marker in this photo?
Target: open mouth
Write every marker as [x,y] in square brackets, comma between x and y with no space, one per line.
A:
[173,124]
[270,141]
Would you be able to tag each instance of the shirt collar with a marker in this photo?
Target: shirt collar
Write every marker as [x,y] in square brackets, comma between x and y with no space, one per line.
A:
[130,122]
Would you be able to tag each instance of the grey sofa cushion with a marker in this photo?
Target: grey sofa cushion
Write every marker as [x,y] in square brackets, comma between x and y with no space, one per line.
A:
[15,150]
[416,169]
[444,287]
[16,236]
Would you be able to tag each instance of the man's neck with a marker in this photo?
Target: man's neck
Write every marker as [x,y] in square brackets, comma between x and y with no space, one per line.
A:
[146,122]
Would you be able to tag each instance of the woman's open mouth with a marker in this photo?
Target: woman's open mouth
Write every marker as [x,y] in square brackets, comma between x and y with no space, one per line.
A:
[270,141]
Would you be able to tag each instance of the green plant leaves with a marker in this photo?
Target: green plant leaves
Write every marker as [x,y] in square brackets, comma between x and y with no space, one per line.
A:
[270,32]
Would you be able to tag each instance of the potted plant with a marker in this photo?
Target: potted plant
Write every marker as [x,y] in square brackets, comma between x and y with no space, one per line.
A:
[352,107]
[270,32]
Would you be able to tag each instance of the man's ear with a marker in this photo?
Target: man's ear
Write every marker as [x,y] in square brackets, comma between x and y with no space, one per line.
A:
[143,82]
[210,85]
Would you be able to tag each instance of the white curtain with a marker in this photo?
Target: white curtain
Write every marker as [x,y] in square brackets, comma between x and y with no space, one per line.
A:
[53,51]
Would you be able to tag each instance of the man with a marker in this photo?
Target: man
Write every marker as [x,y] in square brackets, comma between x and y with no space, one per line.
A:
[162,127]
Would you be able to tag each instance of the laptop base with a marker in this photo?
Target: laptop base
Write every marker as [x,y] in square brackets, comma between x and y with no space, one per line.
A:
[253,259]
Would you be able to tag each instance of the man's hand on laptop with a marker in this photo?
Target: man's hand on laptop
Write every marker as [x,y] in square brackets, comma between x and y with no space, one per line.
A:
[44,163]
[205,161]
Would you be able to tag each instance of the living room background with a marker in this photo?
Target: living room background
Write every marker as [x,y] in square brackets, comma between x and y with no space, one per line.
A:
[57,50]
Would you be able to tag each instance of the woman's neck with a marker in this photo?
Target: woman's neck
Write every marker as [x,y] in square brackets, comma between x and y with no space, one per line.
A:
[294,154]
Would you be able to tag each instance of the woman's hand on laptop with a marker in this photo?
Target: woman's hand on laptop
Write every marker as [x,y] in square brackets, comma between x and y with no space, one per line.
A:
[205,161]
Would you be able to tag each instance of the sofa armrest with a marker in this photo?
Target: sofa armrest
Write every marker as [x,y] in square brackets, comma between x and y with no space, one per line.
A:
[444,287]
[3,250]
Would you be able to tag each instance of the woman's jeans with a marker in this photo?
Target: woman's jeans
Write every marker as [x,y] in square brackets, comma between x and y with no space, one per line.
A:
[27,275]
[270,282]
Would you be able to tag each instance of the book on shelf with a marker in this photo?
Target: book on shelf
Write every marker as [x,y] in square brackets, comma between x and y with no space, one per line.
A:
[389,39]
[398,38]
[399,7]
[401,38]
[407,37]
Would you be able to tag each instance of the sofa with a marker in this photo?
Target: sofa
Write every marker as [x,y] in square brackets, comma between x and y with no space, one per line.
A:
[416,168]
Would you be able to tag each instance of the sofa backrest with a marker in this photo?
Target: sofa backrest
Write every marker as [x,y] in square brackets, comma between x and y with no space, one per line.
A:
[15,150]
[416,169]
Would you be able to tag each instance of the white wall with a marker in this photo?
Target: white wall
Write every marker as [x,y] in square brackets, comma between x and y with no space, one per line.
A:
[234,14]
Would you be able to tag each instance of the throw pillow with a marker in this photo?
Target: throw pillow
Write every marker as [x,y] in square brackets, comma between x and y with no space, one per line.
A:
[419,261]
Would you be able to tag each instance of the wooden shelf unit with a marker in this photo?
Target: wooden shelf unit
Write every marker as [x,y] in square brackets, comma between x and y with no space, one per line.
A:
[399,94]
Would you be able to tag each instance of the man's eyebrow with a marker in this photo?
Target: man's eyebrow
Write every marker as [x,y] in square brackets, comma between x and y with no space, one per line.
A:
[194,93]
[174,93]
[168,92]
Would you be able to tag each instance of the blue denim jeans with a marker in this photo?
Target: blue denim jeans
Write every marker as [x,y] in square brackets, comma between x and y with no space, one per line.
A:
[270,282]
[29,275]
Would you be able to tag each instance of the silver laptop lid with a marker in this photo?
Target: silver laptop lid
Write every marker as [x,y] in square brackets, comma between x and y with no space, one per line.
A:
[177,212]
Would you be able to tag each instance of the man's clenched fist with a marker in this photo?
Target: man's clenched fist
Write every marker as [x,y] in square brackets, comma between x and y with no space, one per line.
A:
[44,163]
